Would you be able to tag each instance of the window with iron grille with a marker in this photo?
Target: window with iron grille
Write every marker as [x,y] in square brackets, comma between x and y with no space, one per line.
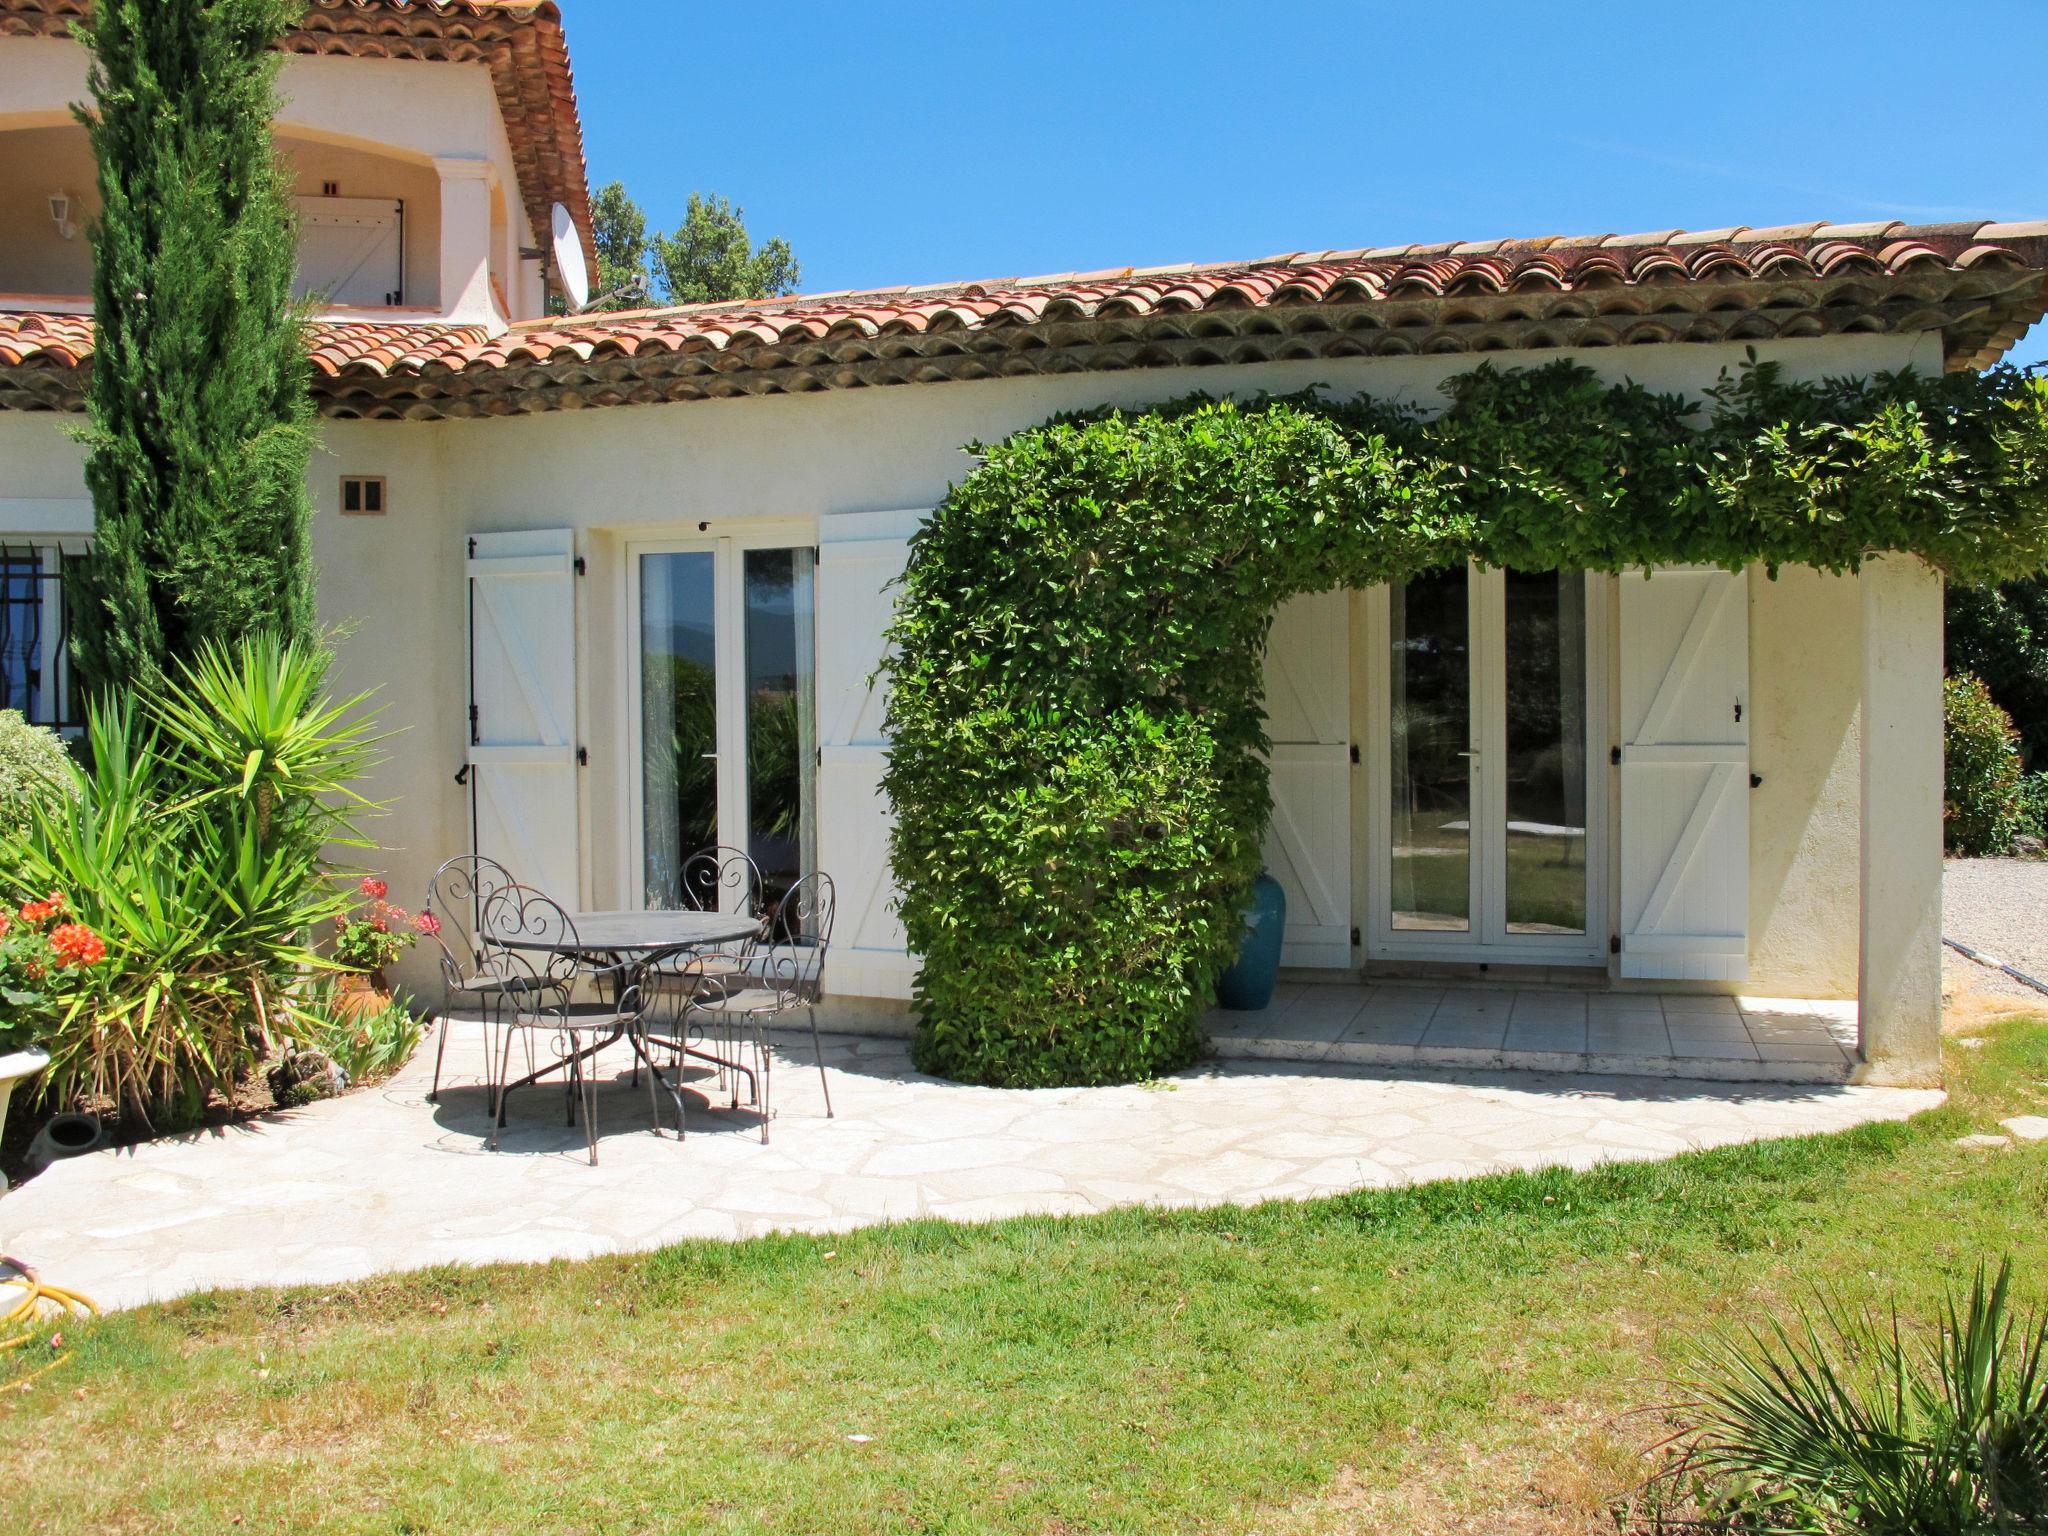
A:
[35,665]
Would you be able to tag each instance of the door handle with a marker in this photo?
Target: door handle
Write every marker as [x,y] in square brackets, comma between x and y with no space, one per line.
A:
[1473,755]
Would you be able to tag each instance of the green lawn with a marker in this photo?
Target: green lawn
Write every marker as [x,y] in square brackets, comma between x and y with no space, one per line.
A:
[1455,1357]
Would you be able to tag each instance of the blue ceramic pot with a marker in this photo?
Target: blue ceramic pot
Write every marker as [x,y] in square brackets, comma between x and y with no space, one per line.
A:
[1248,985]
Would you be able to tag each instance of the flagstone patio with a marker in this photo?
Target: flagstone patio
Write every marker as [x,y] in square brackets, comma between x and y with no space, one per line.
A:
[382,1180]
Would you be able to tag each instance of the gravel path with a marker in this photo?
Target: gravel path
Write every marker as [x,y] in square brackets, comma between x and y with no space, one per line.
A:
[2001,907]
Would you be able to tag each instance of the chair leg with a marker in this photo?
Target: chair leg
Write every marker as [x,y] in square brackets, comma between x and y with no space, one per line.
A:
[498,1091]
[440,1053]
[766,1064]
[590,1112]
[818,1050]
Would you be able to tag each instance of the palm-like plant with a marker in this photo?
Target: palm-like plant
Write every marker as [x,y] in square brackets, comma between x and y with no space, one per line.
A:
[1846,1424]
[195,845]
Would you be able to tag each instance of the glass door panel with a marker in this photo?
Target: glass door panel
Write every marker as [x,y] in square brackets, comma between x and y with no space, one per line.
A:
[1544,761]
[782,736]
[1431,740]
[678,716]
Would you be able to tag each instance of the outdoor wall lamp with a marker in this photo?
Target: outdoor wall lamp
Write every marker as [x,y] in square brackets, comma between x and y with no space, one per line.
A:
[60,214]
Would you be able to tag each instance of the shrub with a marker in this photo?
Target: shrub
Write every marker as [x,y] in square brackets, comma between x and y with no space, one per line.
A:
[195,848]
[2000,633]
[1078,923]
[1851,1427]
[375,936]
[2034,805]
[33,770]
[1984,812]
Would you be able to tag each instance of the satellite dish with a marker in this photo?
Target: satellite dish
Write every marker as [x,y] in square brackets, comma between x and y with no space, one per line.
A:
[572,272]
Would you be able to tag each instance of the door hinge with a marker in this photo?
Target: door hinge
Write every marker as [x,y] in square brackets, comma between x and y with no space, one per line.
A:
[476,730]
[1355,758]
[1357,938]
[583,757]
[1614,944]
[582,566]
[1738,711]
[1614,756]
[472,549]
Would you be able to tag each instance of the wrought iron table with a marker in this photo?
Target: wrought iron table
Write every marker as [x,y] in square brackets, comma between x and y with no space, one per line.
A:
[629,945]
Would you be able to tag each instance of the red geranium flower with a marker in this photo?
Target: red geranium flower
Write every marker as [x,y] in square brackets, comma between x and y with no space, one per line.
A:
[426,922]
[374,888]
[42,911]
[77,945]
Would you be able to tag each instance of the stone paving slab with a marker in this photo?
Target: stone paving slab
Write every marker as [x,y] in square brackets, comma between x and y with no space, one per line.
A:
[384,1181]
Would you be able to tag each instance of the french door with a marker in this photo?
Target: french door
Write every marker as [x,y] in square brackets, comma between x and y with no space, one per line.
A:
[723,703]
[1485,793]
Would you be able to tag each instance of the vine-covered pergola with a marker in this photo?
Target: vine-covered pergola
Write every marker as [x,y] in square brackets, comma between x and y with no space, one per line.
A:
[1078,763]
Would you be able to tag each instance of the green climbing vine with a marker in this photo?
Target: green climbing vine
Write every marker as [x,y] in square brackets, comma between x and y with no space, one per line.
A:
[1078,765]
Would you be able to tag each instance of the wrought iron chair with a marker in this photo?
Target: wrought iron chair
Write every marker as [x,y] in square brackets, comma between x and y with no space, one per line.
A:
[714,879]
[784,972]
[546,968]
[473,979]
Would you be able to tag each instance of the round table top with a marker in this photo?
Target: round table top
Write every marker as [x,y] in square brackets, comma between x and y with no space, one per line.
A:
[621,933]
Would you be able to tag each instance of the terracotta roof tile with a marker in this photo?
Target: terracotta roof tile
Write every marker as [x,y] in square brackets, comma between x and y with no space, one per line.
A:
[1978,287]
[521,41]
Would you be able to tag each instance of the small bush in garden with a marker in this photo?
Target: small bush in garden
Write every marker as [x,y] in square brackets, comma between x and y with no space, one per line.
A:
[1103,901]
[195,847]
[45,958]
[1985,812]
[1853,1425]
[2033,807]
[33,769]
[373,936]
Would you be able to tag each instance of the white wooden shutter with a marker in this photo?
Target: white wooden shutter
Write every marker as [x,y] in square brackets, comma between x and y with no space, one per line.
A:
[1308,720]
[522,638]
[350,250]
[859,555]
[1685,775]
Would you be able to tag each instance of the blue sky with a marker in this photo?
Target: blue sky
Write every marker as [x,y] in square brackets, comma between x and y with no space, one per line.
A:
[894,143]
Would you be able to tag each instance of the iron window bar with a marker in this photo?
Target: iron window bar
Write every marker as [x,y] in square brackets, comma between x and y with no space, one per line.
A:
[35,634]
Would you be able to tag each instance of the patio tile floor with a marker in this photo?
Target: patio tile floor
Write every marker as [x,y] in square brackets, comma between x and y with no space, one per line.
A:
[1649,1033]
[381,1180]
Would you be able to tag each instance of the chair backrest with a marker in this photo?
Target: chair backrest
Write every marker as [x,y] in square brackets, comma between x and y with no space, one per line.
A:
[457,896]
[792,961]
[532,939]
[720,879]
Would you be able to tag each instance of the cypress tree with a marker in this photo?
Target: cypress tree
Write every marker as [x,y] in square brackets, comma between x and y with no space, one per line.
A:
[200,424]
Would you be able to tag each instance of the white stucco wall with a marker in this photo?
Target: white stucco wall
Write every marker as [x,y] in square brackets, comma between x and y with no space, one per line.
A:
[395,583]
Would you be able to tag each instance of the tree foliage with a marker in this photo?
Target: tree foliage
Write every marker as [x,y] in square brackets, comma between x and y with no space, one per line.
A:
[200,418]
[2000,633]
[1078,761]
[708,258]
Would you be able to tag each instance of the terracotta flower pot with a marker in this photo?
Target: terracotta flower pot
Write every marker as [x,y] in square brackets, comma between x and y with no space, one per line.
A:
[358,994]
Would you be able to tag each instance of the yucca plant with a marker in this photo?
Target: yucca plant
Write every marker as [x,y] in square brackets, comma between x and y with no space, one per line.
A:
[1850,1423]
[196,846]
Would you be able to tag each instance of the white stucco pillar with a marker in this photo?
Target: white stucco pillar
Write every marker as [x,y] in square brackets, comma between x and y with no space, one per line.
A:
[466,241]
[1900,964]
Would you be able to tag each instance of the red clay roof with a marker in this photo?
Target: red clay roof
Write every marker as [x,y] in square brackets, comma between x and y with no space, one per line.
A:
[1980,285]
[521,41]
